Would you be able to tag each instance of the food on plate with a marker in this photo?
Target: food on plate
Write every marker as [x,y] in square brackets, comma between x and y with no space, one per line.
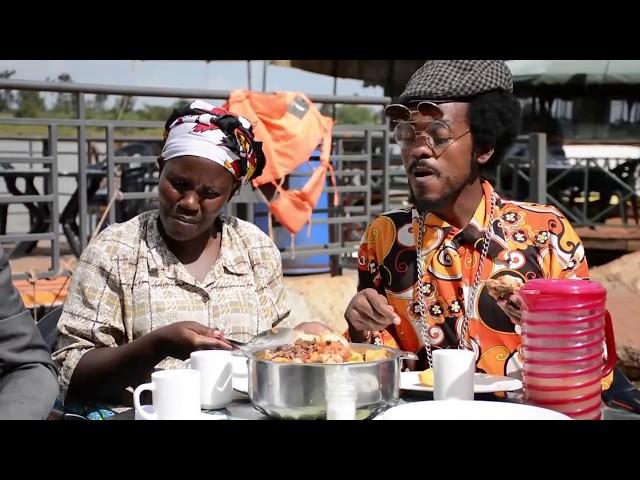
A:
[426,377]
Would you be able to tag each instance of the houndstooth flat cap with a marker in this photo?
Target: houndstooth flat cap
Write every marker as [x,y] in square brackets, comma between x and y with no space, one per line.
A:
[457,79]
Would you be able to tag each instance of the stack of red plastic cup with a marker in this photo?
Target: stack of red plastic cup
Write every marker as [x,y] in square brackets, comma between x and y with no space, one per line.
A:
[564,330]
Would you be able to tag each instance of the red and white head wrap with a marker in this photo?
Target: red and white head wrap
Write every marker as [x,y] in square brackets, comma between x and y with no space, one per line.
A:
[218,135]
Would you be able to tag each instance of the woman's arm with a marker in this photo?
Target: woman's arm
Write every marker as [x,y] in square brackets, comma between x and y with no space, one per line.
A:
[96,357]
[103,373]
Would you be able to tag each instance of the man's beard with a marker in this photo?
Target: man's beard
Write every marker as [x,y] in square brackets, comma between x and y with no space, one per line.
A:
[425,205]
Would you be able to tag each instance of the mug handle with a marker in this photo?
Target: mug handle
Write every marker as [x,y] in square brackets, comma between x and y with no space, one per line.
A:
[612,357]
[230,379]
[136,401]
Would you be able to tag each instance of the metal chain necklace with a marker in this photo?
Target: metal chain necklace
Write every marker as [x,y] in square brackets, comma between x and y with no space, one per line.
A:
[421,324]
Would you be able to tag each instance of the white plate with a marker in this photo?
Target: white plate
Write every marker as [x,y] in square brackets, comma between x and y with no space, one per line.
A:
[483,383]
[469,410]
[203,416]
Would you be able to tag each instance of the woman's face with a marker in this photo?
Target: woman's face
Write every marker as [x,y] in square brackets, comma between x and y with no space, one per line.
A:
[192,192]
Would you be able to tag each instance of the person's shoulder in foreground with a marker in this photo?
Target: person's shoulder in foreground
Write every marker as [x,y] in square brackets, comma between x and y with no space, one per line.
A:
[28,385]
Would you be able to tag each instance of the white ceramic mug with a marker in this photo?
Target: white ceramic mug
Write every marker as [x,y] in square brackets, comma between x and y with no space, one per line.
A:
[215,369]
[239,366]
[453,373]
[175,393]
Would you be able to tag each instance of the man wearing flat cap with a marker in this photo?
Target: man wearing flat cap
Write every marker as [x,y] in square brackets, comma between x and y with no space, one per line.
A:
[422,269]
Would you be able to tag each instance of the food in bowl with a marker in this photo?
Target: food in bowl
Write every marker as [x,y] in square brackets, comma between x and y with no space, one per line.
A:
[326,349]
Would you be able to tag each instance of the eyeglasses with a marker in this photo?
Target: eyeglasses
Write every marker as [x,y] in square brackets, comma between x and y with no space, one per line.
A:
[437,134]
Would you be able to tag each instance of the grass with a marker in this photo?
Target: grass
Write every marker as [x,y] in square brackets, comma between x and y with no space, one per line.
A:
[72,132]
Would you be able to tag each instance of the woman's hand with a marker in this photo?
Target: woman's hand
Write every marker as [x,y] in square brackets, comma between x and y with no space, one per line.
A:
[179,339]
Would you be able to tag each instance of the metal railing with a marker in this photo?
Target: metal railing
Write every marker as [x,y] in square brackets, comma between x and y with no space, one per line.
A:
[348,166]
[370,176]
[583,188]
[49,196]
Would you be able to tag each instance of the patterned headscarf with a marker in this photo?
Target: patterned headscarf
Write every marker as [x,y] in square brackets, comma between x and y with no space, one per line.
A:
[218,135]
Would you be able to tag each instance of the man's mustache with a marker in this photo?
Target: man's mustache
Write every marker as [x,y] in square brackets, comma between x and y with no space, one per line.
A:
[422,164]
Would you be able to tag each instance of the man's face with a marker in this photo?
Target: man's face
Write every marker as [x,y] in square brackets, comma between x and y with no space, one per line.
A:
[439,167]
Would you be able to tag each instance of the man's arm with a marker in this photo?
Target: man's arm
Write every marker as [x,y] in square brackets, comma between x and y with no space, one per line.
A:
[563,258]
[28,384]
[369,313]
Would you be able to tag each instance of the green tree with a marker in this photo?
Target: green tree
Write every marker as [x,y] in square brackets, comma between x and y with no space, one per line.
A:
[66,103]
[100,101]
[30,104]
[355,115]
[124,105]
[178,104]
[155,112]
[7,97]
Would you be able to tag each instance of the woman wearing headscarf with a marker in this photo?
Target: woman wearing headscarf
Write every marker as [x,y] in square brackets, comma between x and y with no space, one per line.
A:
[148,292]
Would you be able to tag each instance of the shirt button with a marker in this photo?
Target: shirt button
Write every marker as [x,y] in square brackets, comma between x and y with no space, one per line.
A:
[205,297]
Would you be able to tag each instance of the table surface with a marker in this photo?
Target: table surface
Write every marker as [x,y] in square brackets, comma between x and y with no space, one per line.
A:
[242,409]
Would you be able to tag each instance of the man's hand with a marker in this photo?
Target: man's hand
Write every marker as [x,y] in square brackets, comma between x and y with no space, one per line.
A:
[368,311]
[312,328]
[511,307]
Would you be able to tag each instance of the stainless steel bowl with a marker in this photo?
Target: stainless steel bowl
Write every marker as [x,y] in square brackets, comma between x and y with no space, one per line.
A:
[297,390]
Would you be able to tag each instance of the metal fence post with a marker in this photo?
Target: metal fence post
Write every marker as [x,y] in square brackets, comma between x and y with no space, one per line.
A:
[111,173]
[53,188]
[335,231]
[385,167]
[538,166]
[82,172]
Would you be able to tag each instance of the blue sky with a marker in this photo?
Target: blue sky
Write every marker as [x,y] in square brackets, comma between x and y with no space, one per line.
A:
[223,75]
